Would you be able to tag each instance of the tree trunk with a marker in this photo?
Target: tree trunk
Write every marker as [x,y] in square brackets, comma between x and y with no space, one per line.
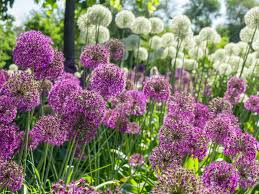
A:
[69,43]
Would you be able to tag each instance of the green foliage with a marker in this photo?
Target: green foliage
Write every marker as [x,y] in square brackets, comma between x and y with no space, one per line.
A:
[4,5]
[202,12]
[7,39]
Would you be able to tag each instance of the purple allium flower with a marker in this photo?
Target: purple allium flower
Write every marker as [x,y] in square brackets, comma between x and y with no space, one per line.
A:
[59,92]
[68,76]
[199,143]
[136,160]
[157,88]
[23,90]
[3,77]
[221,174]
[116,48]
[53,70]
[33,50]
[242,145]
[162,156]
[116,119]
[7,110]
[132,128]
[84,111]
[176,179]
[10,140]
[220,128]
[48,129]
[108,80]
[248,172]
[252,104]
[94,55]
[182,103]
[11,175]
[219,105]
[236,86]
[232,98]
[201,115]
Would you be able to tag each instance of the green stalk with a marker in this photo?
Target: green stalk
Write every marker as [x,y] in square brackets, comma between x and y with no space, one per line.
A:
[26,140]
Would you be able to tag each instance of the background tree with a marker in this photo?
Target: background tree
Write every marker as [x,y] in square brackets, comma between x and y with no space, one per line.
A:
[4,6]
[202,12]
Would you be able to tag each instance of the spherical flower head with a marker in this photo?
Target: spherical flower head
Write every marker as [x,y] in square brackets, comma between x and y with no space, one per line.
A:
[181,26]
[157,89]
[242,145]
[167,39]
[221,128]
[11,175]
[53,70]
[252,18]
[141,54]
[124,19]
[248,172]
[133,128]
[219,105]
[68,76]
[138,102]
[94,55]
[116,48]
[231,49]
[157,25]
[108,80]
[141,25]
[48,129]
[83,22]
[7,109]
[169,52]
[209,34]
[98,34]
[201,115]
[99,15]
[84,111]
[181,103]
[23,90]
[221,174]
[155,42]
[59,92]
[236,85]
[136,160]
[33,49]
[3,77]
[132,42]
[246,34]
[176,179]
[10,140]
[162,156]
[252,104]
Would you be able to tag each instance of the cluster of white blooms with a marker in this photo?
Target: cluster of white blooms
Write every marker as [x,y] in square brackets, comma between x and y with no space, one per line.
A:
[83,22]
[141,25]
[209,35]
[252,18]
[167,39]
[124,19]
[99,15]
[181,27]
[247,34]
[141,54]
[157,25]
[155,42]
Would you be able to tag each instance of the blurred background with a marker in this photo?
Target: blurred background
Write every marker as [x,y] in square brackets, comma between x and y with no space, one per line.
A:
[57,19]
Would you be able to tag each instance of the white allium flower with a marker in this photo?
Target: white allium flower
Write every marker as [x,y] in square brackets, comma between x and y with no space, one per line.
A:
[235,62]
[188,43]
[178,62]
[132,42]
[169,52]
[196,53]
[83,22]
[155,42]
[251,60]
[246,34]
[103,34]
[99,15]
[209,34]
[154,71]
[13,67]
[218,55]
[181,26]
[255,45]
[224,69]
[231,49]
[199,42]
[141,25]
[190,64]
[246,72]
[252,18]
[167,39]
[124,19]
[141,54]
[242,48]
[157,25]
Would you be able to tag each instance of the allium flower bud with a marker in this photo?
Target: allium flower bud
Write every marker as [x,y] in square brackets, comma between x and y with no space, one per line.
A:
[141,25]
[124,19]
